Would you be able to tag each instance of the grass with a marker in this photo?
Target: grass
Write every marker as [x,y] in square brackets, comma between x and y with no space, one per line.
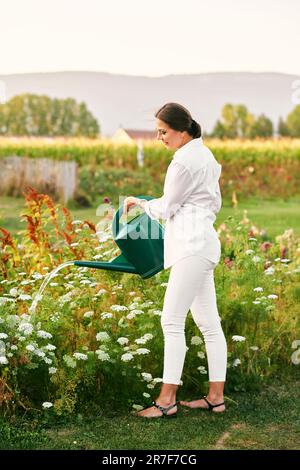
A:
[268,420]
[274,216]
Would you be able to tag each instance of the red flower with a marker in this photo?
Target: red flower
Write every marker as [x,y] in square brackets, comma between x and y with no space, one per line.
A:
[265,246]
[228,262]
[283,252]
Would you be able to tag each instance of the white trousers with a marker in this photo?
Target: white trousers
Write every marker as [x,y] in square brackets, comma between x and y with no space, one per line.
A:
[191,287]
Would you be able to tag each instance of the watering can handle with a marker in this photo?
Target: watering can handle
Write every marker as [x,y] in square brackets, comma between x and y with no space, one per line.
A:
[119,213]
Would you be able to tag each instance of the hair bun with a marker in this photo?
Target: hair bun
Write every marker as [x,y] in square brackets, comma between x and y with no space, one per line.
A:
[195,129]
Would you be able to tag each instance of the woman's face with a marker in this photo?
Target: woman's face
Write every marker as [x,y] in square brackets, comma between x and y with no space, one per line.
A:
[170,138]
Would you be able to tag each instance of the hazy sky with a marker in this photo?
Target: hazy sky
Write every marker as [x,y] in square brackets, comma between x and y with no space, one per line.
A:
[150,37]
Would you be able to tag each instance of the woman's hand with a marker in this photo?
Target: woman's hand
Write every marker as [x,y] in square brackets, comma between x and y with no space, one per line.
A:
[132,201]
[128,203]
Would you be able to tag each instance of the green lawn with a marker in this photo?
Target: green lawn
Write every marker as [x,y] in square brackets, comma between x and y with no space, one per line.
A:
[266,420]
[274,216]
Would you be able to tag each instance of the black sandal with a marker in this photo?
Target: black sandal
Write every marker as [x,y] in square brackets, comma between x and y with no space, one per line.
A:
[210,405]
[165,410]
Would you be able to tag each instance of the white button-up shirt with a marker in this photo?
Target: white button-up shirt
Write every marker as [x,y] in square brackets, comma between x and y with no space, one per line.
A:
[189,204]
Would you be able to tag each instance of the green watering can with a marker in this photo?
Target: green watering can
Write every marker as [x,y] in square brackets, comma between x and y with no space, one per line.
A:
[141,244]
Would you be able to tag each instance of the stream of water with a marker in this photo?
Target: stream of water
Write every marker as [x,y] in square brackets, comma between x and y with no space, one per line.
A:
[44,284]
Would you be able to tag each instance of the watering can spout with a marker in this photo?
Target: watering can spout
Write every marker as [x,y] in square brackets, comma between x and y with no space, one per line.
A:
[119,264]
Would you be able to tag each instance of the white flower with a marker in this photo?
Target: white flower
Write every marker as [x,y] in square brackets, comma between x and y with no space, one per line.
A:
[14,347]
[133,306]
[97,256]
[196,340]
[142,351]
[252,239]
[249,252]
[4,300]
[132,293]
[130,316]
[70,362]
[201,355]
[127,357]
[50,347]
[3,336]
[137,312]
[74,244]
[256,302]
[30,347]
[52,370]
[164,284]
[122,341]
[238,338]
[80,356]
[148,336]
[272,296]
[118,308]
[147,377]
[13,292]
[102,336]
[44,334]
[137,407]
[236,362]
[258,289]
[26,328]
[157,380]
[39,353]
[202,370]
[75,222]
[106,315]
[146,395]
[101,292]
[47,360]
[47,404]
[3,360]
[88,314]
[270,271]
[37,276]
[150,386]
[102,356]
[256,259]
[254,348]
[157,312]
[142,340]
[285,260]
[25,297]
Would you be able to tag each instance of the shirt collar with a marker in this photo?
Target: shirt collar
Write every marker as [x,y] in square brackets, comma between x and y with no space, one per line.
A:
[192,143]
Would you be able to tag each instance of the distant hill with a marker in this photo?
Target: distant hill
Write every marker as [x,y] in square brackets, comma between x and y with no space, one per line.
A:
[130,101]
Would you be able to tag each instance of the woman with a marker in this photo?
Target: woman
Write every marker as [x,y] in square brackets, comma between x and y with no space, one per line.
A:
[192,249]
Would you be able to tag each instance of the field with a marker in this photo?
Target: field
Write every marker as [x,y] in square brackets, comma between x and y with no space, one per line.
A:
[73,370]
[274,216]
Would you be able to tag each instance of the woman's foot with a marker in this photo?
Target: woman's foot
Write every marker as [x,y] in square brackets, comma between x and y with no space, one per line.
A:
[202,403]
[155,412]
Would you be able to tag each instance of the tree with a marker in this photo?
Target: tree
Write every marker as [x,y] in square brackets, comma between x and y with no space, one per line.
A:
[282,128]
[219,130]
[39,115]
[236,121]
[293,122]
[261,127]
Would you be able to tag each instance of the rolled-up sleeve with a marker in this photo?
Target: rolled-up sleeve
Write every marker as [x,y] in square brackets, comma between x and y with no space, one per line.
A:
[178,187]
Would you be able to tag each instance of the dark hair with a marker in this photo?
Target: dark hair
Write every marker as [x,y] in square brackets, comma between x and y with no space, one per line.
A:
[179,119]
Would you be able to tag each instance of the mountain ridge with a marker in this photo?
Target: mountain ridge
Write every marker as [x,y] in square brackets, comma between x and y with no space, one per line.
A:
[130,101]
